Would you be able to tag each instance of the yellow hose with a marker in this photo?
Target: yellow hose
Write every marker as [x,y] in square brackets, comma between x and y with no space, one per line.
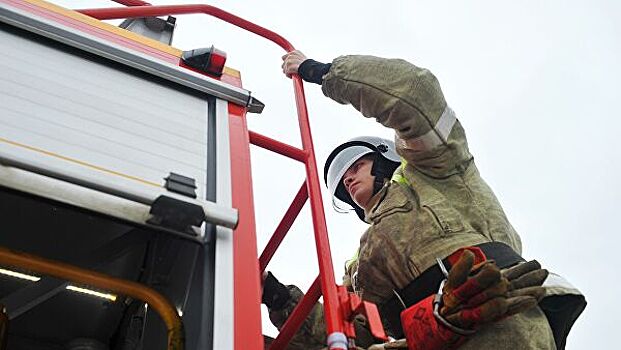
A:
[174,325]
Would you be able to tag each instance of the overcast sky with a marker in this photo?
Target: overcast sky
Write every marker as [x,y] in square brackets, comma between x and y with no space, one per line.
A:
[535,83]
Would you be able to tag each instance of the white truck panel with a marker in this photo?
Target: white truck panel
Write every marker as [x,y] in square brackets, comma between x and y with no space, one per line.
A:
[73,108]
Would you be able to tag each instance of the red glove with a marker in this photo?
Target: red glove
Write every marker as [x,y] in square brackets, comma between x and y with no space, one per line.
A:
[471,296]
[422,330]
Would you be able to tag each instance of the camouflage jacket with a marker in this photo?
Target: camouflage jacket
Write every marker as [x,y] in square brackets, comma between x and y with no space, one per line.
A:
[436,204]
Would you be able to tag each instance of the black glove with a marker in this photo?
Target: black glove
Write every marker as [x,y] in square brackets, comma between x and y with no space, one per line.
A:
[275,294]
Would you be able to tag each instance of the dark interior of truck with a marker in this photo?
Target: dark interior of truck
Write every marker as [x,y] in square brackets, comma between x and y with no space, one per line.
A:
[50,313]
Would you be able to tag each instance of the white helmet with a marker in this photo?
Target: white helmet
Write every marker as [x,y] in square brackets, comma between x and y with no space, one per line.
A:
[342,157]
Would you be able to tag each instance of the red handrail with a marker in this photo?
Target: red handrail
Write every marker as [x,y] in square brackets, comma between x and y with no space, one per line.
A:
[277,146]
[155,11]
[332,313]
[284,226]
[132,2]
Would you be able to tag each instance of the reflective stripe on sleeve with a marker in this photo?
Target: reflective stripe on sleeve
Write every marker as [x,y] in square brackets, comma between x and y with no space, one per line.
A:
[556,282]
[436,136]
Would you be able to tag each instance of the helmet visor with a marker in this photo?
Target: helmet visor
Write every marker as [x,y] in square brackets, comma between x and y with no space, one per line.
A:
[338,167]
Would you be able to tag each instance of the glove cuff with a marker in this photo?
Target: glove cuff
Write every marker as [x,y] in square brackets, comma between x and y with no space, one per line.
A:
[275,294]
[424,332]
[437,304]
[313,71]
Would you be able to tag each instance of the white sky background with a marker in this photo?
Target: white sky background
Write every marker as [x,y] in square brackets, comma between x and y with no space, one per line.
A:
[535,84]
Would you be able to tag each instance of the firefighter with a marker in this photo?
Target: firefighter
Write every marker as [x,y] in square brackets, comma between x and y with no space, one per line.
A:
[476,293]
[424,199]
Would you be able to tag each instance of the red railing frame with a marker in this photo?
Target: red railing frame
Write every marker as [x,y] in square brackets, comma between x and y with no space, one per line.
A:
[332,310]
[277,146]
[132,2]
[283,227]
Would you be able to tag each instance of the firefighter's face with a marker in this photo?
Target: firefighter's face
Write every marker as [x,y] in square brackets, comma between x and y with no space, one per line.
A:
[358,181]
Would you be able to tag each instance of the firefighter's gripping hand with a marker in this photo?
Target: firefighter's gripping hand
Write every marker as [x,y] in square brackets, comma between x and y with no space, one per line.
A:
[478,294]
[275,294]
[291,62]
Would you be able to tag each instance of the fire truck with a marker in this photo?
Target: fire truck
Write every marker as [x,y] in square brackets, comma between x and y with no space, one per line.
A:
[125,188]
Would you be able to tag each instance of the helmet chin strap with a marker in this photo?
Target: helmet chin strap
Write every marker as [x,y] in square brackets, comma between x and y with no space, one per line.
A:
[378,183]
[382,169]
